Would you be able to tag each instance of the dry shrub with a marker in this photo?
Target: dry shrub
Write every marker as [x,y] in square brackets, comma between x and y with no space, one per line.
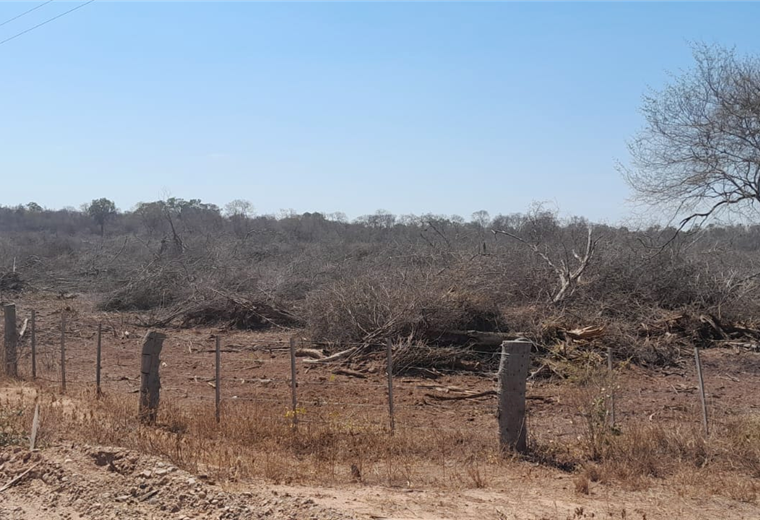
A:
[590,398]
[11,424]
[151,289]
[743,437]
[582,484]
[383,304]
[654,451]
[11,282]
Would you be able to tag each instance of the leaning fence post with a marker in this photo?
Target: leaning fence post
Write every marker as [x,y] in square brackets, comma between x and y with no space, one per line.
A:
[35,426]
[34,344]
[389,355]
[513,373]
[63,351]
[611,377]
[11,338]
[97,362]
[293,382]
[701,390]
[150,382]
[218,379]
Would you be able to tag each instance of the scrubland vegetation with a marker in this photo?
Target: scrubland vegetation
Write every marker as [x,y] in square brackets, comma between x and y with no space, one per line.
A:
[186,263]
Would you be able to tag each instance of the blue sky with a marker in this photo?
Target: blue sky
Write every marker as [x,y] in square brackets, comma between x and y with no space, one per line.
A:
[412,107]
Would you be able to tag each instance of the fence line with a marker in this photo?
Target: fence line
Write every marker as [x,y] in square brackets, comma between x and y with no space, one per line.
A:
[277,385]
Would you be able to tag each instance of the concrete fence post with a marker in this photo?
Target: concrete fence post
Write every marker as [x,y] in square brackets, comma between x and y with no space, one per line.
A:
[513,373]
[150,382]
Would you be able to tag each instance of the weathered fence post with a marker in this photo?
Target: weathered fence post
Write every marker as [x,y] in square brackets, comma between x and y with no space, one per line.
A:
[10,358]
[611,378]
[701,390]
[513,373]
[389,355]
[293,382]
[63,351]
[35,426]
[34,344]
[150,382]
[218,379]
[97,362]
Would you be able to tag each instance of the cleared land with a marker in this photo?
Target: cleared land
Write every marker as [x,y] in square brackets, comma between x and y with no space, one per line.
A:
[443,461]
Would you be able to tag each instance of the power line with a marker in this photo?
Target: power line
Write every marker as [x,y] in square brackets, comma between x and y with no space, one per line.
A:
[46,22]
[25,13]
[643,2]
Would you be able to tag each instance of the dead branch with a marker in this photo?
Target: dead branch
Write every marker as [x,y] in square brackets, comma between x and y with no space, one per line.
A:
[568,276]
[335,357]
[18,478]
[310,353]
[349,373]
[461,397]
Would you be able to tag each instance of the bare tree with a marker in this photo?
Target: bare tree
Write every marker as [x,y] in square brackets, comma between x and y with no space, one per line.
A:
[481,218]
[699,151]
[568,264]
[239,207]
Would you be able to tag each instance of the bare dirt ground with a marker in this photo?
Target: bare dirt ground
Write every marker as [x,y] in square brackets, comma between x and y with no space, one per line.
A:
[84,482]
[96,482]
[73,481]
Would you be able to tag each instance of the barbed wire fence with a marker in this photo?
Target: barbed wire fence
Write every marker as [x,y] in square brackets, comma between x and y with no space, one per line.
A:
[309,390]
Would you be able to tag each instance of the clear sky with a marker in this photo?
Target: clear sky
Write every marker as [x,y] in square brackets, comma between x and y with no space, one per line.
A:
[412,107]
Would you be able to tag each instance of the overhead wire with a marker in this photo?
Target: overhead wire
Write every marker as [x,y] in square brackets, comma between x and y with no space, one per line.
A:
[25,13]
[45,22]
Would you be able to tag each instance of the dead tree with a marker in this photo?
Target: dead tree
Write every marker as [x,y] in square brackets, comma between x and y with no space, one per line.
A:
[569,268]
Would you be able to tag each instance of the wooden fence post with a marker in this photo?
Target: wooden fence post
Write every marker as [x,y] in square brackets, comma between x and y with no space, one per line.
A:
[218,379]
[34,344]
[389,355]
[35,426]
[63,351]
[611,377]
[701,390]
[10,357]
[293,381]
[513,374]
[150,381]
[97,362]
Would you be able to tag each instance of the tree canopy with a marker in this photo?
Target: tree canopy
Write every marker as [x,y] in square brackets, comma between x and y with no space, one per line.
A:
[699,151]
[101,210]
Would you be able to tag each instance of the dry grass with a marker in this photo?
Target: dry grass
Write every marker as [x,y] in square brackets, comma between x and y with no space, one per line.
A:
[255,441]
[258,442]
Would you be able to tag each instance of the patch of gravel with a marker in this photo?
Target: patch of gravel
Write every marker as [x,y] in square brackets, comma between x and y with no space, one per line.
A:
[113,483]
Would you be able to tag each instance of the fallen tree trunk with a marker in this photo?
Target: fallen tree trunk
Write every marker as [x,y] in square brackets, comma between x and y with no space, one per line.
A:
[310,353]
[461,397]
[335,357]
[490,341]
[350,373]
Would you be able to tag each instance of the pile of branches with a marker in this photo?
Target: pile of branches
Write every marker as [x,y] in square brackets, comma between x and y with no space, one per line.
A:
[184,293]
[704,330]
[420,359]
[11,282]
[372,306]
[149,290]
[238,312]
